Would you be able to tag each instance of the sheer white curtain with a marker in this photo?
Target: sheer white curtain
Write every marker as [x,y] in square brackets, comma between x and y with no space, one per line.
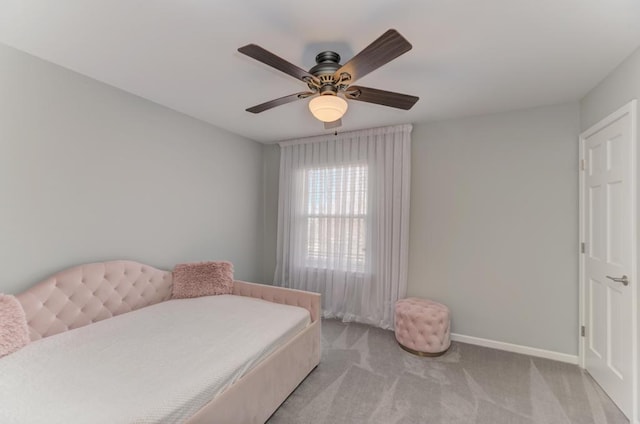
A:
[343,221]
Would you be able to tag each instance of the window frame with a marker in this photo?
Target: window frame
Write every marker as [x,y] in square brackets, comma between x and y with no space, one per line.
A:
[315,261]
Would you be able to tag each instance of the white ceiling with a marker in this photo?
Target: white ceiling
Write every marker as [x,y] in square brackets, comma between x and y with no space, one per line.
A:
[469,57]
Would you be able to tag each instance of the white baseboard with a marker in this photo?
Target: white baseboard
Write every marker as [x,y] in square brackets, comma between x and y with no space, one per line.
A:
[509,347]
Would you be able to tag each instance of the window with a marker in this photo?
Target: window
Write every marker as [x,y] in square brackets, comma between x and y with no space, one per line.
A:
[335,208]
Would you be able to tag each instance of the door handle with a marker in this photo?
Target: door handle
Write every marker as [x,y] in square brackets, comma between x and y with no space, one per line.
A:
[624,279]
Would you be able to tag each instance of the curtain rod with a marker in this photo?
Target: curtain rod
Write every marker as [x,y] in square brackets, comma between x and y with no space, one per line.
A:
[348,135]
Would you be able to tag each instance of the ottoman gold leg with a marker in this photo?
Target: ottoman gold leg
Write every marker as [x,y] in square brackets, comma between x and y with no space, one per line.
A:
[424,354]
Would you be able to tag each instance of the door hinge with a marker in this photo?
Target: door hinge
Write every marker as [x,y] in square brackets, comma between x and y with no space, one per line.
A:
[583,164]
[583,331]
[583,247]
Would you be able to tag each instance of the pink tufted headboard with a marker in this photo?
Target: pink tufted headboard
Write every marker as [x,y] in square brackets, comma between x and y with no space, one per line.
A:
[88,293]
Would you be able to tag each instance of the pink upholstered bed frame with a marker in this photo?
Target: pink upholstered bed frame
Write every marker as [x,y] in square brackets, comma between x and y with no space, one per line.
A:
[89,293]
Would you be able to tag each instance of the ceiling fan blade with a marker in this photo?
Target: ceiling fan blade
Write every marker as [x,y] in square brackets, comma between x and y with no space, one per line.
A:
[258,53]
[381,97]
[332,125]
[281,101]
[386,48]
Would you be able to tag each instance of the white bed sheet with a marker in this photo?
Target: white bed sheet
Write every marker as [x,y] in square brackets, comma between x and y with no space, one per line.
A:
[161,363]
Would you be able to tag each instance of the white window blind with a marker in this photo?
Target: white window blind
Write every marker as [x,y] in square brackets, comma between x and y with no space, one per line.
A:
[336,217]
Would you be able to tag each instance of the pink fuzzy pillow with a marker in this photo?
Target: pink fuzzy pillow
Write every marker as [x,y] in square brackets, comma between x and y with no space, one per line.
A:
[202,279]
[14,333]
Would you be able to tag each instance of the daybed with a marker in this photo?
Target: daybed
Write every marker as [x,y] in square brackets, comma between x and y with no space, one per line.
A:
[154,350]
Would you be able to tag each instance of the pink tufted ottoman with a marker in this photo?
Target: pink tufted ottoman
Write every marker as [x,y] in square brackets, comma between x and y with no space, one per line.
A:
[422,326]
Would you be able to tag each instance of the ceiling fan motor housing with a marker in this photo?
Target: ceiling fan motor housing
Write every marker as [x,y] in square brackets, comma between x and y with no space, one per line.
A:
[327,63]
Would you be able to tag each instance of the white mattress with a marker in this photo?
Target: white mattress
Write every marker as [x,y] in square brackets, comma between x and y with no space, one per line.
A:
[161,363]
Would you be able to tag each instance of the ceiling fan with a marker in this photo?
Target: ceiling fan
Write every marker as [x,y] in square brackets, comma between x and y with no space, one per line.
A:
[329,81]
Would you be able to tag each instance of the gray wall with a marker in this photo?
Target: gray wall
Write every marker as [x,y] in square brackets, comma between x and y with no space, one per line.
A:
[494,224]
[617,89]
[91,173]
[271,180]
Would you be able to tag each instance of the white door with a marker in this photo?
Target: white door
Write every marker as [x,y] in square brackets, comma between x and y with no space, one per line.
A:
[608,227]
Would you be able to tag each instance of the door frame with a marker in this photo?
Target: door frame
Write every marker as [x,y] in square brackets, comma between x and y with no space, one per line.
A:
[631,109]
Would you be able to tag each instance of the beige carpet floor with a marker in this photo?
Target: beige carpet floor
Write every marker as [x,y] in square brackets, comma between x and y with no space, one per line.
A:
[364,377]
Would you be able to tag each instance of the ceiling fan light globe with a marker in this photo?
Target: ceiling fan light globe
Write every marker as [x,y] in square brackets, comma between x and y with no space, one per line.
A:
[328,108]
